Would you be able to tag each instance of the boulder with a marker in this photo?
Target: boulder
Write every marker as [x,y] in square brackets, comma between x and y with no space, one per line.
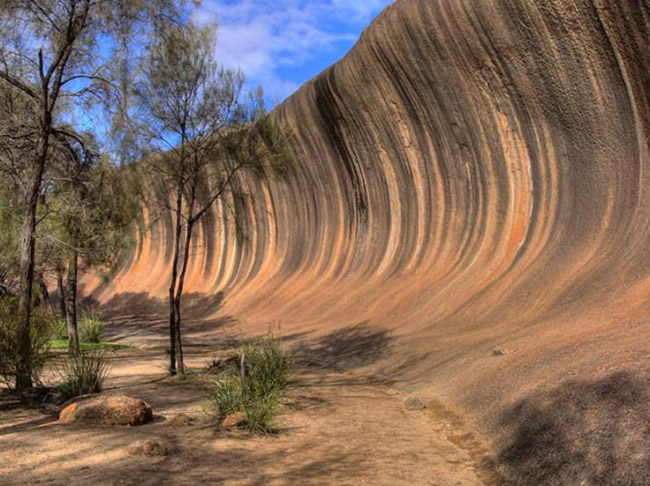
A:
[151,448]
[107,410]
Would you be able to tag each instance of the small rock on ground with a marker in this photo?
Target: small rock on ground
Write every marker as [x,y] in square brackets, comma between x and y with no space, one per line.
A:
[234,420]
[414,403]
[151,448]
[181,420]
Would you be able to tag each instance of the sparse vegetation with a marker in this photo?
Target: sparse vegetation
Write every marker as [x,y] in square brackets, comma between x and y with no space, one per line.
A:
[52,70]
[227,396]
[260,413]
[257,390]
[59,330]
[267,366]
[91,327]
[82,374]
[190,107]
[9,335]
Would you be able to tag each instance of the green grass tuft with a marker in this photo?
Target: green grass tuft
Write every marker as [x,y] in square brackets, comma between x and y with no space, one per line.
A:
[267,366]
[82,375]
[91,327]
[59,329]
[258,397]
[261,414]
[227,397]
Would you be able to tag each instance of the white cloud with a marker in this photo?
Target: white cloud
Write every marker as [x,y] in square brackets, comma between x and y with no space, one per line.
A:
[264,36]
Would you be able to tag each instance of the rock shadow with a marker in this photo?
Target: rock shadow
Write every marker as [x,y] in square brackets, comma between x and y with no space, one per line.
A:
[593,433]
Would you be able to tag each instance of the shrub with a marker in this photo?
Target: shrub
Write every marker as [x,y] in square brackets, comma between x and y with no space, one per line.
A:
[267,369]
[260,414]
[39,334]
[59,329]
[82,375]
[227,397]
[91,327]
[267,366]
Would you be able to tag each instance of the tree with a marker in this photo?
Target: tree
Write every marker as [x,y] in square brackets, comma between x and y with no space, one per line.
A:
[60,53]
[17,119]
[85,210]
[190,108]
[90,216]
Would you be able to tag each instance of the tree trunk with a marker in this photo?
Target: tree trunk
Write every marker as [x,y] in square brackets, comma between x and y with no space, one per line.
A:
[173,325]
[71,307]
[27,249]
[180,365]
[45,293]
[181,285]
[24,368]
[172,329]
[59,284]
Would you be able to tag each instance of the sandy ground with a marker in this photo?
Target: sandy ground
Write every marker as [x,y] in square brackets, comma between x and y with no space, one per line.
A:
[336,429]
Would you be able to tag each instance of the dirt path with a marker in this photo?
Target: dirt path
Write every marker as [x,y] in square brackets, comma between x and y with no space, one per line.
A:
[337,429]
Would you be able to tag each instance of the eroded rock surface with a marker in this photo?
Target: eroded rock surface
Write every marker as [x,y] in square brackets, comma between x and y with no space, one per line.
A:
[473,176]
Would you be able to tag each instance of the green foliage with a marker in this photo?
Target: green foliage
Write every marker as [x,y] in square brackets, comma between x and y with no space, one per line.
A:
[261,413]
[91,213]
[275,146]
[227,397]
[9,327]
[59,329]
[267,367]
[82,375]
[267,371]
[68,63]
[9,236]
[91,327]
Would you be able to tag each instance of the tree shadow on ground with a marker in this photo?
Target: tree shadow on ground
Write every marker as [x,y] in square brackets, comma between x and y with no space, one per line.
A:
[346,349]
[26,414]
[594,433]
[141,304]
[194,464]
[29,424]
[145,318]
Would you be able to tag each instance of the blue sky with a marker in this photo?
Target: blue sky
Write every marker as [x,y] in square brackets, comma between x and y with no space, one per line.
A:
[280,44]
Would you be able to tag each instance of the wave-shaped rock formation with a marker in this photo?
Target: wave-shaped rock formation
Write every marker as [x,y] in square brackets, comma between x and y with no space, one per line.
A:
[470,209]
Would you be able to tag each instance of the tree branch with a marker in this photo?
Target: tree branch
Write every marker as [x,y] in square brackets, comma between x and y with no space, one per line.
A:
[18,84]
[45,14]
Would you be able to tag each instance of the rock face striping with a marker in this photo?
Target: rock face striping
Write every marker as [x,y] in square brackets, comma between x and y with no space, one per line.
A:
[473,176]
